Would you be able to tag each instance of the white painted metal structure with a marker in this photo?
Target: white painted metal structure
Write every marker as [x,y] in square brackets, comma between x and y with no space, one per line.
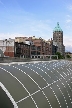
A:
[38,84]
[43,56]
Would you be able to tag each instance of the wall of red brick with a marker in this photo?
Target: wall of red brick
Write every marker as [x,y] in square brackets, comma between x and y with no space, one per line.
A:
[9,51]
[10,54]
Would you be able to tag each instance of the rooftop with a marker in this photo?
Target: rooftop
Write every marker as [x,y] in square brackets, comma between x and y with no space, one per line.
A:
[57,28]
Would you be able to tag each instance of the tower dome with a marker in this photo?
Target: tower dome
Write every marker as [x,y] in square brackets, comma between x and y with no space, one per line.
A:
[57,28]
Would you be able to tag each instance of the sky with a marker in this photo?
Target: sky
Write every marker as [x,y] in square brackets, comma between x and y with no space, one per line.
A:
[36,18]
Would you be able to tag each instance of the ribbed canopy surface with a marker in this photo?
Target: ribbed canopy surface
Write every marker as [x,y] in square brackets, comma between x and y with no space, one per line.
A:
[36,85]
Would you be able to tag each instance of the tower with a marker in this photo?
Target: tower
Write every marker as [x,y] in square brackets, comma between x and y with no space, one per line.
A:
[58,39]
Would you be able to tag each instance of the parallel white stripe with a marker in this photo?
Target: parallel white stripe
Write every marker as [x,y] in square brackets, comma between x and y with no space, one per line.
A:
[35,83]
[9,95]
[22,85]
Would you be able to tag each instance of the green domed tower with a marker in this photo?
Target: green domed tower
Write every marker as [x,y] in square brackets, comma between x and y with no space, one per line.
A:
[57,28]
[58,34]
[58,38]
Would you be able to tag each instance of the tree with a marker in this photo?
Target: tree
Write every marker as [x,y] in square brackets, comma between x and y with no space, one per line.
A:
[54,57]
[59,55]
[68,56]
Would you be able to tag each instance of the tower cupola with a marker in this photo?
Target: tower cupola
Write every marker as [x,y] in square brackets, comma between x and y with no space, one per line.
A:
[57,28]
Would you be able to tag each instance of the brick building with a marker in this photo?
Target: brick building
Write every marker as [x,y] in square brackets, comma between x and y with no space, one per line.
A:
[20,39]
[22,50]
[50,46]
[22,47]
[27,46]
[7,46]
[40,46]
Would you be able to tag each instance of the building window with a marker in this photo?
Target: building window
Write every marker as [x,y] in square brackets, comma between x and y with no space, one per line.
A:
[39,48]
[33,47]
[28,46]
[22,46]
[24,51]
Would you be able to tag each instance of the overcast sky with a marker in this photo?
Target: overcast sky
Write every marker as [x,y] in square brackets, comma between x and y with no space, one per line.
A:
[36,17]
